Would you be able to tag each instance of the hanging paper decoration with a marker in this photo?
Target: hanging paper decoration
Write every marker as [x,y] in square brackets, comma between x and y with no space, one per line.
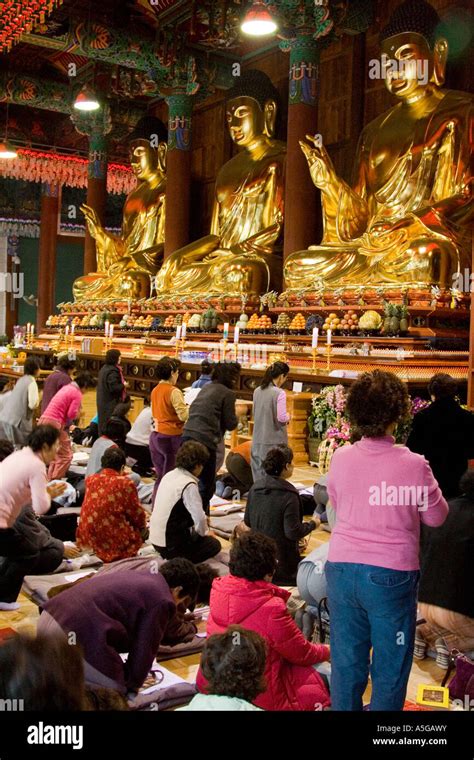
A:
[38,166]
[21,17]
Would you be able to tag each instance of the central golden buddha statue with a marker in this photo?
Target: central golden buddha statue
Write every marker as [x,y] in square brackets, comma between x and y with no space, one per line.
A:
[242,253]
[402,221]
[126,263]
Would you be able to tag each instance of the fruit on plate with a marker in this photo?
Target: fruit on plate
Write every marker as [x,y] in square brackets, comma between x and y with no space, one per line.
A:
[370,320]
[298,322]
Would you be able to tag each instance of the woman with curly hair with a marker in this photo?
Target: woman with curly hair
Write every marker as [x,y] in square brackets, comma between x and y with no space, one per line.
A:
[233,663]
[381,493]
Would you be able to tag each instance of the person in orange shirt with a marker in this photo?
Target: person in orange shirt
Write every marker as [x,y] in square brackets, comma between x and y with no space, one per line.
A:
[239,477]
[169,413]
[112,522]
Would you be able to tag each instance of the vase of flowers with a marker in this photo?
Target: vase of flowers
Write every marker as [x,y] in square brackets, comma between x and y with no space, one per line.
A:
[327,407]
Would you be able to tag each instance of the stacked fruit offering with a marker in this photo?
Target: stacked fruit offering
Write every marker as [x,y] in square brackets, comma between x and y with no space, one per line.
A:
[332,322]
[350,322]
[298,323]
[283,322]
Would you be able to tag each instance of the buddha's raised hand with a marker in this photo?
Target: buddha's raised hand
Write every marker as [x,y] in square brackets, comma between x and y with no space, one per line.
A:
[320,165]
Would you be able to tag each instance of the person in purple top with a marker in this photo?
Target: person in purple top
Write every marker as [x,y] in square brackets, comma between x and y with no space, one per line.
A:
[61,376]
[109,617]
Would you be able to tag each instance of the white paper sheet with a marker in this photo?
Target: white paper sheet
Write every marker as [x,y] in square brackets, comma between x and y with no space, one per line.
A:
[169,679]
[75,576]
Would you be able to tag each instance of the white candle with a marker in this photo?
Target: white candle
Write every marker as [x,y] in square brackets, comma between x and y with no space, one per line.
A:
[28,328]
[236,334]
[32,331]
[314,343]
[178,332]
[183,331]
[106,329]
[226,330]
[72,328]
[67,330]
[111,331]
[329,337]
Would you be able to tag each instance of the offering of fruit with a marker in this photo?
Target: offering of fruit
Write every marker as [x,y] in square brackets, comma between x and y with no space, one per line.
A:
[253,323]
[298,322]
[350,321]
[264,323]
[169,321]
[195,321]
[178,320]
[283,322]
[332,322]
[370,320]
[242,324]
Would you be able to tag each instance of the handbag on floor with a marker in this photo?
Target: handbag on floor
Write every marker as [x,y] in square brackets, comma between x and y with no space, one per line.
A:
[462,683]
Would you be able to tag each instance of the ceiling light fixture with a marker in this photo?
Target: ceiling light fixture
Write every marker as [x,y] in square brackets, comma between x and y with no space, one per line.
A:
[258,21]
[86,100]
[7,150]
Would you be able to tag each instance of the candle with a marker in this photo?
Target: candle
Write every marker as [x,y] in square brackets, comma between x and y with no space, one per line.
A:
[226,330]
[106,329]
[111,331]
[72,328]
[66,332]
[329,337]
[314,343]
[32,330]
[28,328]
[183,331]
[236,334]
[178,332]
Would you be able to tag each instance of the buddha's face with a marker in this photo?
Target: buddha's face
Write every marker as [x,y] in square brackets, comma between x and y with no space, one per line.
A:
[143,158]
[410,64]
[245,120]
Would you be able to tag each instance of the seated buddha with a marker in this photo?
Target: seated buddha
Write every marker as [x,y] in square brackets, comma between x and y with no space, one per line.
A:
[403,220]
[242,254]
[126,263]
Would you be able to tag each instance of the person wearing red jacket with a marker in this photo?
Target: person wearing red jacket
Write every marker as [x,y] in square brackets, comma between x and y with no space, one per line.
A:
[247,597]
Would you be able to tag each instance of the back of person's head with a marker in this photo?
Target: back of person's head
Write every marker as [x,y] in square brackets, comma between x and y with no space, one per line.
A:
[64,362]
[253,556]
[277,459]
[181,572]
[85,380]
[206,367]
[43,435]
[233,663]
[31,366]
[115,430]
[226,373]
[190,454]
[165,368]
[466,484]
[101,699]
[113,459]
[112,356]
[122,408]
[272,372]
[376,400]
[442,386]
[45,673]
[207,576]
[6,448]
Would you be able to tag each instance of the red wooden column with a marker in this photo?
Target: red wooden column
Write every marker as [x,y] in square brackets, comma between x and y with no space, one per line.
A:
[470,379]
[50,199]
[301,206]
[178,172]
[96,192]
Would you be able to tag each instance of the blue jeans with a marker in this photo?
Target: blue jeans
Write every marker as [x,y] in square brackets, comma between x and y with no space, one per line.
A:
[370,607]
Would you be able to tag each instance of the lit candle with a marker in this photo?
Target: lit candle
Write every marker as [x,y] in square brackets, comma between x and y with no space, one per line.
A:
[183,331]
[314,343]
[329,337]
[106,329]
[226,330]
[236,334]
[178,332]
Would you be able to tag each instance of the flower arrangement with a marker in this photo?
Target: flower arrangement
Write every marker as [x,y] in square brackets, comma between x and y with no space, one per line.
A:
[326,408]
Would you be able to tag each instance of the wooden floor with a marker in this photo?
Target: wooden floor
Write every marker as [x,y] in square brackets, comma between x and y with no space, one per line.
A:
[423,671]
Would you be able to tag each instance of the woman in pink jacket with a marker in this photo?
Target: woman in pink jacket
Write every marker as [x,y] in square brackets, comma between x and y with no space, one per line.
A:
[248,598]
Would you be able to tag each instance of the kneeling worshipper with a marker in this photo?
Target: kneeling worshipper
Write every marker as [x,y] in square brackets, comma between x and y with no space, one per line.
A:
[110,617]
[112,522]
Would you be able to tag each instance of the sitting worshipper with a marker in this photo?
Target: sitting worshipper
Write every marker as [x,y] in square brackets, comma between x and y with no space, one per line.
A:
[178,525]
[16,417]
[120,412]
[239,472]
[206,374]
[446,596]
[247,597]
[45,674]
[182,627]
[61,412]
[23,481]
[112,522]
[111,617]
[59,377]
[274,508]
[444,434]
[233,663]
[137,442]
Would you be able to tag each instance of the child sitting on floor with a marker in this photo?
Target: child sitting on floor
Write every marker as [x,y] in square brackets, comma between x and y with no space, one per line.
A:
[233,664]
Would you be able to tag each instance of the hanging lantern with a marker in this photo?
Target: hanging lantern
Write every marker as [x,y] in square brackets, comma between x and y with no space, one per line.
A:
[258,20]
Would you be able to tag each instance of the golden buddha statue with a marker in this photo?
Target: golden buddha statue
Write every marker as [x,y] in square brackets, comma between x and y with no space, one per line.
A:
[402,221]
[126,263]
[243,252]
